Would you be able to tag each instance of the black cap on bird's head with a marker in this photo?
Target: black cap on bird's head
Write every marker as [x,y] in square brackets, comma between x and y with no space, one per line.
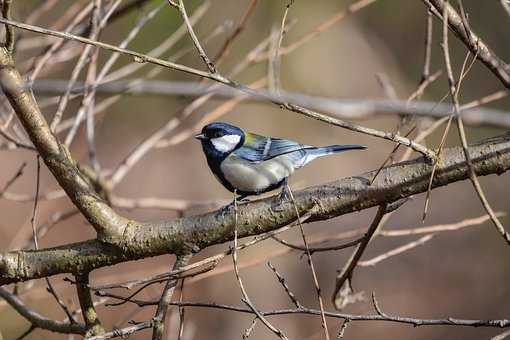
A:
[221,137]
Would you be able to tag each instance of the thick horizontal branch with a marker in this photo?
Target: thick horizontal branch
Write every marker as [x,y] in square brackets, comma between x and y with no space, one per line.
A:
[198,232]
[342,108]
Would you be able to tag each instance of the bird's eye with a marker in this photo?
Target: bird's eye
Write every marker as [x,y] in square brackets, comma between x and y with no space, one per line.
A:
[217,134]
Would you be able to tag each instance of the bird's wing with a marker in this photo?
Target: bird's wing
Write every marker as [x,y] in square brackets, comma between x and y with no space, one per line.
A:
[259,148]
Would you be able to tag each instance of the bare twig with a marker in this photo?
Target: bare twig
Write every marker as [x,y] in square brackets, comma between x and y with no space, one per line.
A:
[343,108]
[246,298]
[13,179]
[475,44]
[274,60]
[196,42]
[428,48]
[40,61]
[124,332]
[96,28]
[319,249]
[463,74]
[166,297]
[505,334]
[223,51]
[501,323]
[33,222]
[439,227]
[142,58]
[88,310]
[38,320]
[343,328]
[409,178]
[88,98]
[27,332]
[311,265]
[348,269]
[250,329]
[281,279]
[454,91]
[323,26]
[9,32]
[396,251]
[181,313]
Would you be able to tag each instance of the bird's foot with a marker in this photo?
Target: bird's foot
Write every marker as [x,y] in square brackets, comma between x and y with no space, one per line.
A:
[282,198]
[227,208]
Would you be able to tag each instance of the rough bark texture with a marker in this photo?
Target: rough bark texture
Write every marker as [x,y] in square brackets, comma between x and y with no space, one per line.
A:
[107,223]
[141,240]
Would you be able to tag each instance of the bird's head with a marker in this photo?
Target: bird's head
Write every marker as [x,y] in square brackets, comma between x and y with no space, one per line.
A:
[221,138]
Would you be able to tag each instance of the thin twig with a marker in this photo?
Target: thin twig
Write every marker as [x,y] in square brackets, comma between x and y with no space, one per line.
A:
[311,265]
[142,58]
[319,249]
[396,251]
[27,332]
[224,50]
[250,329]
[33,222]
[196,42]
[464,71]
[13,179]
[348,269]
[281,279]
[96,28]
[9,31]
[166,297]
[37,319]
[181,313]
[274,61]
[88,309]
[475,44]
[454,91]
[428,48]
[246,298]
[450,321]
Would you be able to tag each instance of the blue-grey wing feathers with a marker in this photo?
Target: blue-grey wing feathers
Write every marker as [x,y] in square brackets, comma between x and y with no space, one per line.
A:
[259,148]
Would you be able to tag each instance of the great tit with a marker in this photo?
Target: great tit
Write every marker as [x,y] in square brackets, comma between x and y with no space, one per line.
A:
[250,164]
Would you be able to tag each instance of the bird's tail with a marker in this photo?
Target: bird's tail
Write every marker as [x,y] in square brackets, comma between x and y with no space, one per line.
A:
[327,150]
[314,153]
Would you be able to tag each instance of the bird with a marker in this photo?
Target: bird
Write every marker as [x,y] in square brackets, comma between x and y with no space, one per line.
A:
[249,164]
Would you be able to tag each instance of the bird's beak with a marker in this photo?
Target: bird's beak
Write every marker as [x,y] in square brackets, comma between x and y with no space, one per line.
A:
[200,136]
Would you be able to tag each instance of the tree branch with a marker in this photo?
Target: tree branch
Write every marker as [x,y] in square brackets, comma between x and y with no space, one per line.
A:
[166,298]
[87,306]
[56,157]
[143,58]
[341,108]
[201,231]
[37,319]
[472,41]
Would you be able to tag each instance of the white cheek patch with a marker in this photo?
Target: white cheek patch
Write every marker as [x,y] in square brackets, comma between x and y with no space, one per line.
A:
[226,143]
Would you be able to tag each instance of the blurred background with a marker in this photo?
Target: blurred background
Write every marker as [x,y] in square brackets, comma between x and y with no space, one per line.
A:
[461,274]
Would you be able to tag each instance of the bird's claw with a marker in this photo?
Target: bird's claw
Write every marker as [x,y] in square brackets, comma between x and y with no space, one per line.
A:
[279,200]
[231,206]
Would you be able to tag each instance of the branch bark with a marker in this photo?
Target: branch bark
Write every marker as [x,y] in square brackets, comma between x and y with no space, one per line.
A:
[37,319]
[88,310]
[472,41]
[323,202]
[56,157]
